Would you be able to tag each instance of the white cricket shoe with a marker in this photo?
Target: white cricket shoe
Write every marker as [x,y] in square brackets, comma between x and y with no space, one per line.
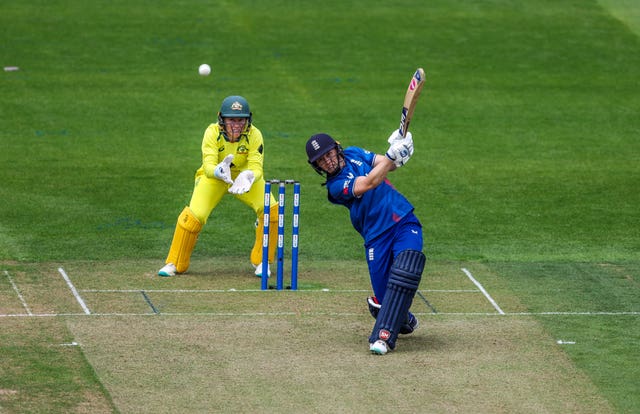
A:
[259,270]
[168,270]
[379,347]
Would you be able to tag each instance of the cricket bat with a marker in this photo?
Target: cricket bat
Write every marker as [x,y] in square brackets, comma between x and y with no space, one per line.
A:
[410,100]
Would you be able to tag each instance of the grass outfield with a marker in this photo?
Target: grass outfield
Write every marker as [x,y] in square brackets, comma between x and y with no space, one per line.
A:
[525,174]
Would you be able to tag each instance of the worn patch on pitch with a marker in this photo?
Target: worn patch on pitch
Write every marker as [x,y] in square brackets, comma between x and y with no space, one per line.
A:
[298,363]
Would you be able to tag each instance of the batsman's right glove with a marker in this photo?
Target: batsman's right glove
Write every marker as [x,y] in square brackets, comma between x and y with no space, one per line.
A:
[395,137]
[223,170]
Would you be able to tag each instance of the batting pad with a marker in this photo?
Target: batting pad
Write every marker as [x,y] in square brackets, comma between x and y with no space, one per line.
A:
[184,240]
[256,252]
[404,279]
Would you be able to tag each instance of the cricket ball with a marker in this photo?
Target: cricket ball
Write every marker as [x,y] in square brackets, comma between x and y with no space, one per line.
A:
[204,69]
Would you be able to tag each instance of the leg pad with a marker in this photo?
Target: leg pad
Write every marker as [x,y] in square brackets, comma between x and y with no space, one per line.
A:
[184,240]
[406,273]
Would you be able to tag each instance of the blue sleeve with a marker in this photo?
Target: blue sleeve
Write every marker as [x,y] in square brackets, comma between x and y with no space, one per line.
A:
[377,209]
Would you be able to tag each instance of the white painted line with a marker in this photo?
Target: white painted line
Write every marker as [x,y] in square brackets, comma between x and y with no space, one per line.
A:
[170,290]
[585,313]
[429,314]
[24,303]
[40,315]
[489,298]
[74,291]
[234,290]
[230,290]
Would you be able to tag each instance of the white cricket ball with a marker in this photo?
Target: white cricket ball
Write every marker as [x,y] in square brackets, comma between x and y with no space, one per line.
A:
[204,69]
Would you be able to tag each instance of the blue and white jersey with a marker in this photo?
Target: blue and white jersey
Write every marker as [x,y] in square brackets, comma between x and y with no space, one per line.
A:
[376,210]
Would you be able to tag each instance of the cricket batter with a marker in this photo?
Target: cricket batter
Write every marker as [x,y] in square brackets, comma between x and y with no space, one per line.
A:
[232,159]
[357,179]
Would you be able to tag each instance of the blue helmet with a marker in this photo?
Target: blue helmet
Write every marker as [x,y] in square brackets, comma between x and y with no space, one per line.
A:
[317,146]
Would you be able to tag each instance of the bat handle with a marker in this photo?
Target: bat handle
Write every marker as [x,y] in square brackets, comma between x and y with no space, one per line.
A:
[403,123]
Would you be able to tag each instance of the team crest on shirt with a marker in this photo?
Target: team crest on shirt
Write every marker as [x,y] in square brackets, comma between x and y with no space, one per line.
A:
[345,187]
[242,149]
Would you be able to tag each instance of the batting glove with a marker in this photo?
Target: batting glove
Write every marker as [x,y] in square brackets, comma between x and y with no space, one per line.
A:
[401,150]
[395,136]
[243,182]
[223,170]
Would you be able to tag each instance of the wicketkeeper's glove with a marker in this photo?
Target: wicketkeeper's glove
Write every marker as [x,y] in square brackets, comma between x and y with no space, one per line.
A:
[243,182]
[223,170]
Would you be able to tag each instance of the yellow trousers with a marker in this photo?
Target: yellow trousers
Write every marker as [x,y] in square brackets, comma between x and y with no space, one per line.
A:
[207,194]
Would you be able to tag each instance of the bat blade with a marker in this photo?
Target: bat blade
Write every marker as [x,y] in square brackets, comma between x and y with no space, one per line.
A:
[411,99]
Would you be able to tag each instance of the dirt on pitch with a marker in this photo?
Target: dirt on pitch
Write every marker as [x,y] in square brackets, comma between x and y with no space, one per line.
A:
[320,363]
[204,342]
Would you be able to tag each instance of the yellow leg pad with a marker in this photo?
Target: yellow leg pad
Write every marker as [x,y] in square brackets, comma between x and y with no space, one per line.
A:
[184,240]
[256,252]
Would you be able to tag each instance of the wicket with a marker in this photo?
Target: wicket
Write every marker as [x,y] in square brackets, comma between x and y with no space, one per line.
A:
[294,233]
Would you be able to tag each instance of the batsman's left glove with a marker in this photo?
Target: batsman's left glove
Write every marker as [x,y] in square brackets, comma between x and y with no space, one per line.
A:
[243,182]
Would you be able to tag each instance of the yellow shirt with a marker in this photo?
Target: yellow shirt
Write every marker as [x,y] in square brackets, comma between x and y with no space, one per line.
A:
[247,152]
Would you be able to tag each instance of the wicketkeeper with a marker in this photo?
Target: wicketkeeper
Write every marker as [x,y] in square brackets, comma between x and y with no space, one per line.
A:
[357,179]
[232,163]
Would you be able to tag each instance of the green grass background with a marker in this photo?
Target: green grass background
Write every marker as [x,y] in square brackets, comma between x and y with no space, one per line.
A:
[527,152]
